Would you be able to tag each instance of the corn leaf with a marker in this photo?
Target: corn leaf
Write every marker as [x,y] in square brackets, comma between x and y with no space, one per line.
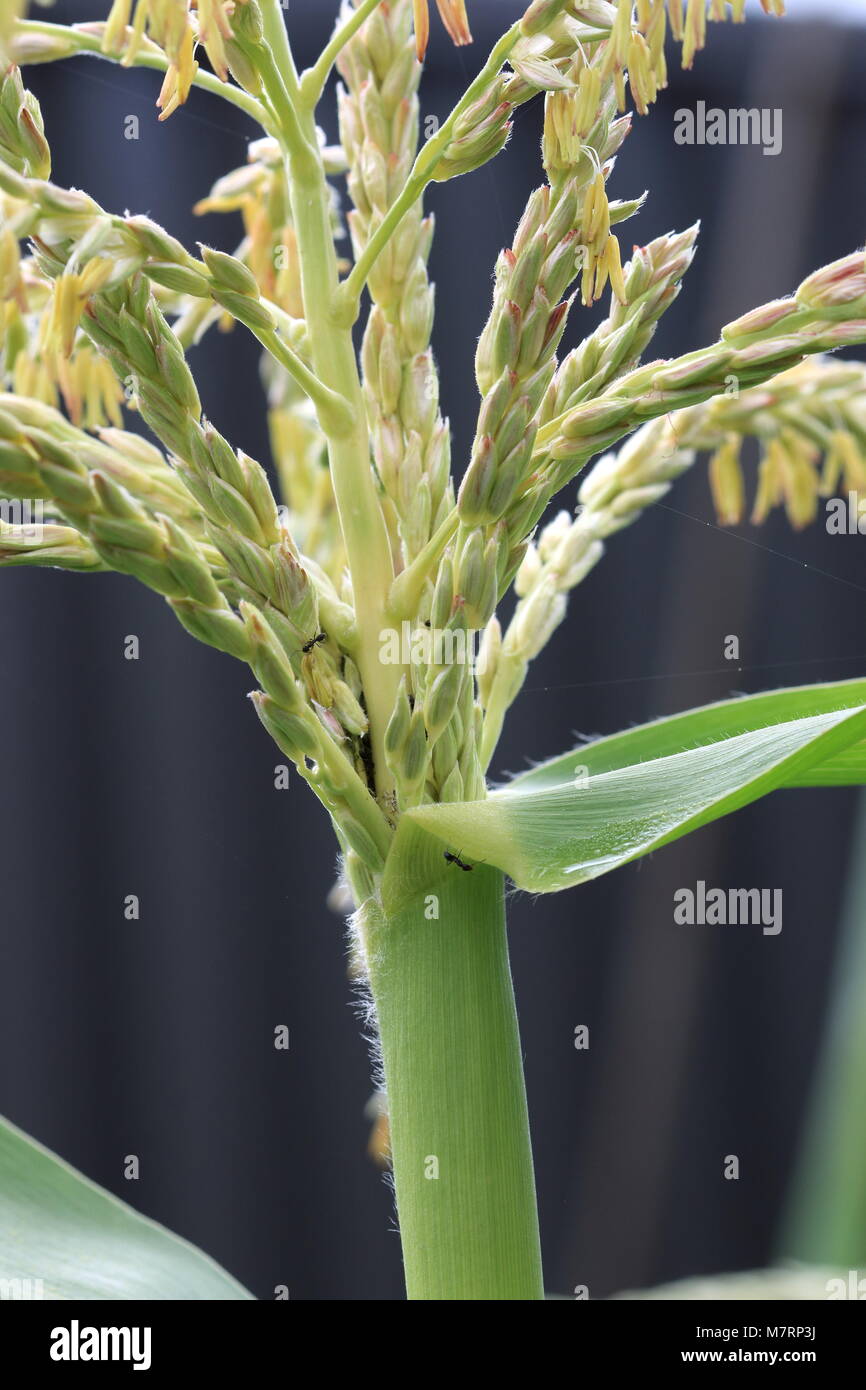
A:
[63,1237]
[710,724]
[611,801]
[794,1284]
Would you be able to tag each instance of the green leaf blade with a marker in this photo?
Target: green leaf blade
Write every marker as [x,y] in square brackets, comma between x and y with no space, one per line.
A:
[613,801]
[67,1237]
[709,724]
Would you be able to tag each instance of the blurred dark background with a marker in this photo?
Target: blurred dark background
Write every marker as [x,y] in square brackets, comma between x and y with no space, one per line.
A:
[153,777]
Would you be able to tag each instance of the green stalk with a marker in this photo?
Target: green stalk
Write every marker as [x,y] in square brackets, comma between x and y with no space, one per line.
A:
[456,1098]
[332,411]
[442,988]
[335,365]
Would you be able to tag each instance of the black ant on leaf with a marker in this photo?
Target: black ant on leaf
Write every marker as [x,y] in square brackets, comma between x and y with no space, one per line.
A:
[314,641]
[455,859]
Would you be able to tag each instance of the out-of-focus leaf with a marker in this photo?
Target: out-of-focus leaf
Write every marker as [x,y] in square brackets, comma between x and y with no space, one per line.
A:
[794,1285]
[63,1237]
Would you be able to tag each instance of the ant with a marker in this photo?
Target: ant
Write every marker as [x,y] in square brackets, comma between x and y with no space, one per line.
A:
[455,859]
[308,646]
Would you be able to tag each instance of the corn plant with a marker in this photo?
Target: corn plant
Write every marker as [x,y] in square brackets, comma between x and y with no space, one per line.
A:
[365,599]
